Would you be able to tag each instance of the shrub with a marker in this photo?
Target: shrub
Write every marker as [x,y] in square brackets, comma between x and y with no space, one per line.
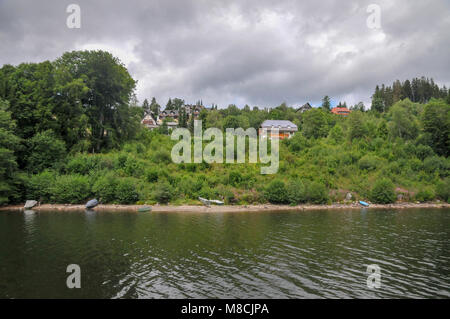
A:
[276,192]
[105,188]
[126,192]
[296,192]
[71,189]
[436,164]
[45,151]
[368,162]
[317,193]
[423,151]
[39,186]
[443,189]
[151,175]
[163,192]
[383,192]
[162,156]
[425,194]
[234,178]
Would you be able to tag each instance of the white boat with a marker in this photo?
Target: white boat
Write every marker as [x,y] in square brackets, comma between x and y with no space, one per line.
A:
[30,204]
[208,202]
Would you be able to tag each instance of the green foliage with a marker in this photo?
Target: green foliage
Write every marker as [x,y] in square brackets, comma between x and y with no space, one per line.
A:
[45,151]
[163,192]
[425,194]
[9,144]
[276,192]
[105,187]
[296,192]
[40,186]
[126,192]
[436,122]
[369,162]
[71,189]
[79,117]
[317,193]
[383,192]
[315,123]
[443,189]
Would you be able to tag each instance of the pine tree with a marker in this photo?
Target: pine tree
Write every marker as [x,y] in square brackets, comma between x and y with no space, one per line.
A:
[146,107]
[326,102]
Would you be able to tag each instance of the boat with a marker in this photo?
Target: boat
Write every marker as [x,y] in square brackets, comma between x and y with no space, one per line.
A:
[208,202]
[217,202]
[144,209]
[364,203]
[92,203]
[30,204]
[204,201]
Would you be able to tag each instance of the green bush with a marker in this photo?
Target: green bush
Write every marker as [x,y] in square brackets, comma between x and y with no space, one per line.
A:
[425,194]
[126,192]
[369,162]
[105,188]
[151,175]
[234,178]
[443,189]
[435,164]
[296,192]
[39,186]
[46,150]
[163,193]
[317,193]
[162,156]
[276,192]
[383,192]
[71,189]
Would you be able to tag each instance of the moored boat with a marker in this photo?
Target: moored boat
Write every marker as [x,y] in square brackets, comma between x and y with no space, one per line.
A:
[364,203]
[92,203]
[30,204]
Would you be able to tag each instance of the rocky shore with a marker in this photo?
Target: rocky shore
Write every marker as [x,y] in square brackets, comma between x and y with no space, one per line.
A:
[225,208]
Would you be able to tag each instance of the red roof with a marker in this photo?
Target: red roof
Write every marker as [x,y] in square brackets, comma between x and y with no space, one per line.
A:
[341,110]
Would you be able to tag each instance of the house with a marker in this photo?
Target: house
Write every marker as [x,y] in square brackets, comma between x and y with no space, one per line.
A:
[286,129]
[341,111]
[171,115]
[304,108]
[149,122]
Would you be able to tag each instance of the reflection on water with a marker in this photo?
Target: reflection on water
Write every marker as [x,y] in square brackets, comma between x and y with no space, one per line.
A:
[305,254]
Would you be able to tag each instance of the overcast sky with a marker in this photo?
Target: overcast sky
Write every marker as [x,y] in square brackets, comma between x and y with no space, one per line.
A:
[242,52]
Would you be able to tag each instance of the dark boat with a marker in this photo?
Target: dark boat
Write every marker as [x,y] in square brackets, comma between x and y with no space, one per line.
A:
[92,203]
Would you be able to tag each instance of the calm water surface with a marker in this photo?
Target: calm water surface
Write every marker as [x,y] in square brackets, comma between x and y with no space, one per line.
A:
[308,254]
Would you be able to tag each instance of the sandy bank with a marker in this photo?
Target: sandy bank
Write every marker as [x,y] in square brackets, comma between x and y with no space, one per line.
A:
[225,208]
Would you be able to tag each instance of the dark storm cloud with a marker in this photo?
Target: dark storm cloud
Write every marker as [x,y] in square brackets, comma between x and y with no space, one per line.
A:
[255,52]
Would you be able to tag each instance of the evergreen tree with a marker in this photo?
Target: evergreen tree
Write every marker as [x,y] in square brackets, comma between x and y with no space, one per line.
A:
[146,107]
[326,102]
[155,107]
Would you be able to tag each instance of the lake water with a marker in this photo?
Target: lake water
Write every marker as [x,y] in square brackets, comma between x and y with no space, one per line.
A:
[305,254]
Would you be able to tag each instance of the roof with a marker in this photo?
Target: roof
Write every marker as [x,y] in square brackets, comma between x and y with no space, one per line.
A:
[340,110]
[286,125]
[304,107]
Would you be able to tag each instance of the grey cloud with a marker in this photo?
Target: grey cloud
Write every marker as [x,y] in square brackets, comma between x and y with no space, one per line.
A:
[255,52]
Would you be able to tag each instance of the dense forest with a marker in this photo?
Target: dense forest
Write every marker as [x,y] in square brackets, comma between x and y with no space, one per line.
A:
[70,131]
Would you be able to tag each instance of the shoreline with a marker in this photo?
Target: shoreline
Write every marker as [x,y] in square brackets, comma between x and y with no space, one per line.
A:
[223,208]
